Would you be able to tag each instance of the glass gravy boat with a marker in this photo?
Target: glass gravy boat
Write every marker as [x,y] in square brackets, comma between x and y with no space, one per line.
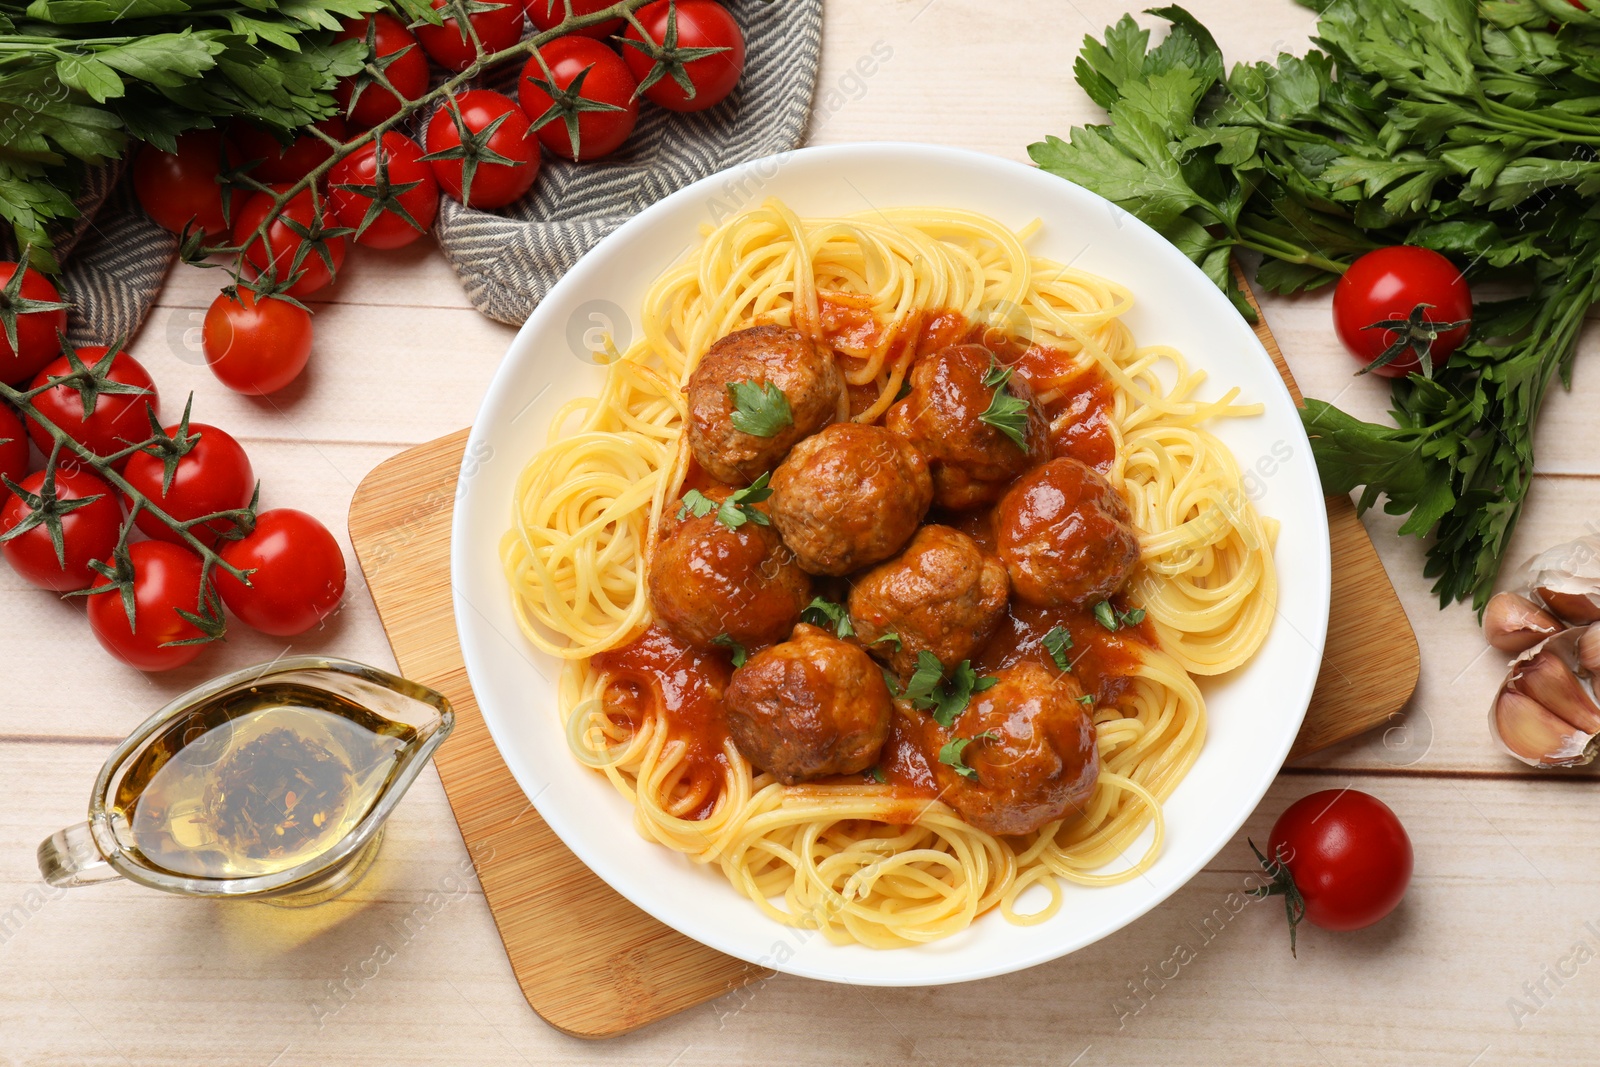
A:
[271,783]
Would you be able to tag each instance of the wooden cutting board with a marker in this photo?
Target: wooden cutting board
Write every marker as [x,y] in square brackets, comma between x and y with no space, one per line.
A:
[589,962]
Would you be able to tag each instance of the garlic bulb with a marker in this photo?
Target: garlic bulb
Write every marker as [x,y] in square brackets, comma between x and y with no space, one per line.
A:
[1546,713]
[1513,623]
[1566,580]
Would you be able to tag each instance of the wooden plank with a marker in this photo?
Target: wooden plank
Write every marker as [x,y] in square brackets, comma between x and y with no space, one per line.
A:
[588,961]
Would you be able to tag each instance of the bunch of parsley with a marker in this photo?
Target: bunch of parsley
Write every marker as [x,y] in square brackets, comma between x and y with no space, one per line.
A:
[1472,129]
[80,79]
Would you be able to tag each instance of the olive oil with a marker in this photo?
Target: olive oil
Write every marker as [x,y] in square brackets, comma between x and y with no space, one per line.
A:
[257,781]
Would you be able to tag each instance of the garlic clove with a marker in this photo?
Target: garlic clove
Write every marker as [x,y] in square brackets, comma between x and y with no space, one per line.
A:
[1531,733]
[1513,623]
[1578,608]
[1547,680]
[1587,649]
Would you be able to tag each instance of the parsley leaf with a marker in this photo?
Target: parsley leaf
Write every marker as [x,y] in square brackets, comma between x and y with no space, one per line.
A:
[740,656]
[924,680]
[1006,412]
[760,410]
[945,698]
[952,753]
[997,374]
[737,510]
[829,615]
[1057,642]
[1087,700]
[1114,620]
[696,503]
[876,774]
[890,636]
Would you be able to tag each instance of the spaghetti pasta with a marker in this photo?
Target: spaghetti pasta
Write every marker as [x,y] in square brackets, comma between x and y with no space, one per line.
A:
[865,862]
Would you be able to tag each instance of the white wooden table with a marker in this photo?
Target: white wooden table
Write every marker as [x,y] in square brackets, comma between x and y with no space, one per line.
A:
[1487,960]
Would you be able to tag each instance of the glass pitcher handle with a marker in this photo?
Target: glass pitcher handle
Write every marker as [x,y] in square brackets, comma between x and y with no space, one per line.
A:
[69,858]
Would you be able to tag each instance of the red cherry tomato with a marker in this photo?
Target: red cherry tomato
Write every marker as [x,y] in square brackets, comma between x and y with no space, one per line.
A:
[88,532]
[177,188]
[116,421]
[214,475]
[492,184]
[166,579]
[255,346]
[701,24]
[608,81]
[281,244]
[354,185]
[276,162]
[548,14]
[408,72]
[13,449]
[1389,285]
[38,331]
[449,44]
[298,574]
[1348,856]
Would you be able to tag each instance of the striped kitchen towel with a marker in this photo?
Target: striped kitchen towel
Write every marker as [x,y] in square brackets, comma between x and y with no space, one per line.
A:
[508,260]
[115,258]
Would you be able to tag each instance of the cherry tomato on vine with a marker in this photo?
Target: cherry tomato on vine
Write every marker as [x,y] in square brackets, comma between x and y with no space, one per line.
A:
[31,309]
[278,162]
[606,82]
[692,25]
[466,139]
[255,345]
[1344,854]
[13,449]
[548,14]
[213,475]
[403,189]
[1396,303]
[280,245]
[88,531]
[175,188]
[298,574]
[115,420]
[407,71]
[166,579]
[449,44]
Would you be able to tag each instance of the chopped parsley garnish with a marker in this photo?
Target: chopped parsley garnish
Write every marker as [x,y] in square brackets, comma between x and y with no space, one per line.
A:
[759,409]
[893,683]
[952,754]
[1114,620]
[1087,700]
[877,775]
[739,654]
[890,636]
[928,690]
[1057,642]
[696,503]
[830,616]
[1006,413]
[733,512]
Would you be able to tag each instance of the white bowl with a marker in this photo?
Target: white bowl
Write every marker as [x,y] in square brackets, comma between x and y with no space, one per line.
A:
[1254,714]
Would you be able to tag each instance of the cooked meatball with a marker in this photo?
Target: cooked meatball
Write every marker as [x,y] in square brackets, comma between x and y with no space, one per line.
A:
[707,580]
[972,462]
[810,381]
[849,496]
[1065,535]
[808,707]
[943,594]
[1040,763]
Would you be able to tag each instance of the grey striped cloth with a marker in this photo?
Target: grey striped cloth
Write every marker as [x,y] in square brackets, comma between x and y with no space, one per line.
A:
[508,260]
[115,258]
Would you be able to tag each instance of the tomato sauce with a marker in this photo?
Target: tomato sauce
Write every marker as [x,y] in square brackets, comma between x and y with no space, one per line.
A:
[1102,660]
[657,668]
